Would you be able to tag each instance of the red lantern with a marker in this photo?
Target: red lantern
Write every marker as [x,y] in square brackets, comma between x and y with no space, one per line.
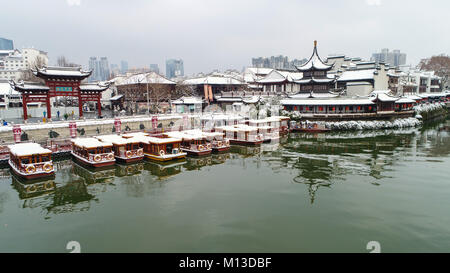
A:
[359,108]
[346,108]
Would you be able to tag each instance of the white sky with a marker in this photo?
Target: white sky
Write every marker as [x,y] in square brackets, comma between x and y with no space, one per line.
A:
[212,34]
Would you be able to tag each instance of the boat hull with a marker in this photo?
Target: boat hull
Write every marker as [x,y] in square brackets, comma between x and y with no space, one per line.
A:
[129,160]
[246,143]
[197,153]
[163,159]
[221,149]
[93,164]
[36,176]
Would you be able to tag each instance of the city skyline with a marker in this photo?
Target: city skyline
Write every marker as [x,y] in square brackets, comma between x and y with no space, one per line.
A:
[177,37]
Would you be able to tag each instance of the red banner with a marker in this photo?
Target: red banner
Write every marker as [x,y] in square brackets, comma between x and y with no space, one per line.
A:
[17,131]
[117,125]
[73,129]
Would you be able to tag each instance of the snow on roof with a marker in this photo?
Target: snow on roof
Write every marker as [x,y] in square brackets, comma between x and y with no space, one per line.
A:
[116,97]
[260,70]
[340,101]
[94,86]
[281,76]
[313,95]
[405,100]
[238,128]
[28,86]
[414,97]
[213,80]
[23,149]
[185,136]
[6,89]
[117,139]
[188,100]
[144,78]
[384,97]
[90,142]
[314,62]
[62,71]
[354,75]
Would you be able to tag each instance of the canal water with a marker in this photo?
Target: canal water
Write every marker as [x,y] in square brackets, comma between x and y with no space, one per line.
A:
[309,193]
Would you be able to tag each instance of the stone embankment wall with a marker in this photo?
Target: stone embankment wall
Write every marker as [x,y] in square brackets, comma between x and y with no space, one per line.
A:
[40,132]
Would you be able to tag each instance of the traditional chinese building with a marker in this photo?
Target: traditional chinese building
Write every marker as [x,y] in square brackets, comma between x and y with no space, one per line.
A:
[59,81]
[315,75]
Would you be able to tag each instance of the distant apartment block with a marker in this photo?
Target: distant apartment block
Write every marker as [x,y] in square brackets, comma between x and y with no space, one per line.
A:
[394,58]
[14,62]
[6,44]
[154,68]
[277,62]
[174,68]
[123,67]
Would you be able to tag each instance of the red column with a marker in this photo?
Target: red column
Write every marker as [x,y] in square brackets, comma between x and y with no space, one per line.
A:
[99,106]
[80,106]
[49,107]
[24,106]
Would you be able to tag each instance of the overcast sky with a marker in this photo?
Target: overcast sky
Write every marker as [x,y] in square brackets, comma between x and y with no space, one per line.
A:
[212,34]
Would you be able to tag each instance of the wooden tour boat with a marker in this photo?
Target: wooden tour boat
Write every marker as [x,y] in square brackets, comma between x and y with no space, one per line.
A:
[93,152]
[30,161]
[308,127]
[241,134]
[160,148]
[127,149]
[192,144]
[216,139]
[282,121]
[268,128]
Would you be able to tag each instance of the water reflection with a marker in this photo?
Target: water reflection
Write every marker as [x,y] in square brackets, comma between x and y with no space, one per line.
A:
[316,161]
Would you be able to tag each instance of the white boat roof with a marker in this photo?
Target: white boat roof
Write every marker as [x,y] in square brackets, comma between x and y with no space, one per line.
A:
[239,128]
[90,142]
[185,136]
[146,138]
[117,139]
[23,149]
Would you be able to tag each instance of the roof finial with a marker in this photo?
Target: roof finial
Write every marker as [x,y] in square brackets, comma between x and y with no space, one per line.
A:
[315,43]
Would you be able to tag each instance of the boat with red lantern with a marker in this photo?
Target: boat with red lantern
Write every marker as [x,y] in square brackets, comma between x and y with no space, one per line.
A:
[92,152]
[30,161]
[127,149]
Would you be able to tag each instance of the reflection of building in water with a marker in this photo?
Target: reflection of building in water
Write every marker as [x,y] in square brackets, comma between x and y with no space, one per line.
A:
[30,189]
[94,176]
[129,169]
[164,171]
[73,196]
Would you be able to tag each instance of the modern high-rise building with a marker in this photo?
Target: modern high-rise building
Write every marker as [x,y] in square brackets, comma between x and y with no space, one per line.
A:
[154,68]
[123,67]
[104,69]
[174,68]
[6,44]
[93,65]
[100,69]
[394,58]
